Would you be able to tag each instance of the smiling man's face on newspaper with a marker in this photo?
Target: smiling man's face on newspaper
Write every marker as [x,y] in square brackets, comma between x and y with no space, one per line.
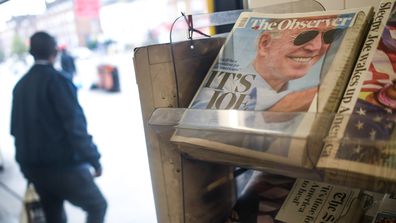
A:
[290,55]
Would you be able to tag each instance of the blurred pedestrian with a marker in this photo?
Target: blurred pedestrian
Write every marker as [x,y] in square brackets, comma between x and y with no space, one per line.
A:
[53,148]
[67,62]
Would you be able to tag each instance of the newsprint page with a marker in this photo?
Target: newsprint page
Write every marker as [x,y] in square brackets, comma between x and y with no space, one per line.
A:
[310,201]
[275,62]
[365,121]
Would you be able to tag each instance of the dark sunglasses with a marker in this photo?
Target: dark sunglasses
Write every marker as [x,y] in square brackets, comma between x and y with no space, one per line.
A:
[328,37]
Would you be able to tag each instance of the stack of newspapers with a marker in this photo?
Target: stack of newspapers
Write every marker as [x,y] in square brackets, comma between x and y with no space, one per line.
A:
[360,146]
[283,72]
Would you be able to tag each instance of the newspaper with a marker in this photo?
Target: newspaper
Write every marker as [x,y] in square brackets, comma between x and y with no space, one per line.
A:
[387,209]
[274,63]
[310,201]
[360,148]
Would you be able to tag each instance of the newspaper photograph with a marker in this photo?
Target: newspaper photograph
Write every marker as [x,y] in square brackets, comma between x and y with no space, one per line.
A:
[276,63]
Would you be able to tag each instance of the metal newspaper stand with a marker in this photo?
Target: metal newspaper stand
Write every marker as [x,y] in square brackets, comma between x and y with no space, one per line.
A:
[190,184]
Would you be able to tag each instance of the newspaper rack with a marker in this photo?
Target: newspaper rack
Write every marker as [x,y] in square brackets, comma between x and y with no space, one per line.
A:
[166,120]
[193,184]
[230,122]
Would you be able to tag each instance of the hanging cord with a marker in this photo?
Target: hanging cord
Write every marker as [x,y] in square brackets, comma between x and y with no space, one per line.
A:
[11,192]
[191,30]
[190,36]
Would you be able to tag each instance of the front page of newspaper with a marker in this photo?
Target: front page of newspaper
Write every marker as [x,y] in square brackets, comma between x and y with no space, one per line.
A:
[275,63]
[365,123]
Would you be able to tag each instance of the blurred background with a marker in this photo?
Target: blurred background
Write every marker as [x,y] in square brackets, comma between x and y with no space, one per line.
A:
[96,33]
[86,26]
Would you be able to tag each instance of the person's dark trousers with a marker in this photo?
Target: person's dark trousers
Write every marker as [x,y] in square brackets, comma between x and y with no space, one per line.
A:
[77,187]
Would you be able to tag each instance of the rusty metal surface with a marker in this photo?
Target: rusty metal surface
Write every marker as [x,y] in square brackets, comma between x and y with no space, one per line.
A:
[153,143]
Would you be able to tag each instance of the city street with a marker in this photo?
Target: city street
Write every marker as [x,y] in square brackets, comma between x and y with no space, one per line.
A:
[115,122]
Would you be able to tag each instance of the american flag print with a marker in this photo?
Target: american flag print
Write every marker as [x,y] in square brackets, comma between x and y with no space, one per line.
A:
[368,125]
[372,123]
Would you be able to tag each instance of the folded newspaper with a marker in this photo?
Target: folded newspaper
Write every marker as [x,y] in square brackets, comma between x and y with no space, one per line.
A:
[310,201]
[281,64]
[360,148]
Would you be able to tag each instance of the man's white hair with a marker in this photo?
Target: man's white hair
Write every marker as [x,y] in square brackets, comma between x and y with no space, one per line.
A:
[275,33]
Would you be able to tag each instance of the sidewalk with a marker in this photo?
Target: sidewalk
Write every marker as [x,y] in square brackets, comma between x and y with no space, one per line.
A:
[114,120]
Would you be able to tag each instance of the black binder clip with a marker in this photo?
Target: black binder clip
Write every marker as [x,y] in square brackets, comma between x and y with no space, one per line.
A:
[191,29]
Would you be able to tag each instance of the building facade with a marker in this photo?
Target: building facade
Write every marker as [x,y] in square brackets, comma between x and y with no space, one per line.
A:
[59,20]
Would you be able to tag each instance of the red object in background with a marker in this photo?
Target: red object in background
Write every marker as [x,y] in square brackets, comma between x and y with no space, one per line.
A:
[87,8]
[108,78]
[105,77]
[62,46]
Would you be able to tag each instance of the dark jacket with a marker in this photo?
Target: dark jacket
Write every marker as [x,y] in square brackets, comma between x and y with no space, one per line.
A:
[67,63]
[48,123]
